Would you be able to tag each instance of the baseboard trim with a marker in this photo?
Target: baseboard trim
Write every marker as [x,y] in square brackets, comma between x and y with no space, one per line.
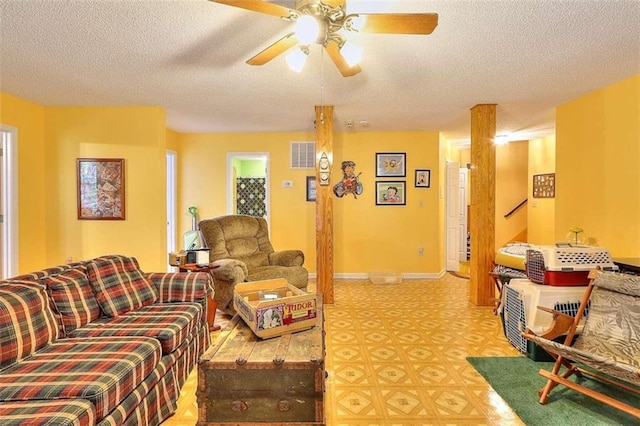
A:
[364,275]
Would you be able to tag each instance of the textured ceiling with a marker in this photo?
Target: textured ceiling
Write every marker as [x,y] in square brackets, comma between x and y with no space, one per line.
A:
[188,56]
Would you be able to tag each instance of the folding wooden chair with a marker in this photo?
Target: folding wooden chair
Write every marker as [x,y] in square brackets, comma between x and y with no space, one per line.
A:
[609,342]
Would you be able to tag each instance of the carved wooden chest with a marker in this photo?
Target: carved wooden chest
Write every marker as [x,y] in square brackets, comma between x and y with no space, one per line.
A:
[243,379]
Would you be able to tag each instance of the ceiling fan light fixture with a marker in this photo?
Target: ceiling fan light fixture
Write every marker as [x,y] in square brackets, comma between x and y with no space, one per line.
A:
[354,22]
[307,29]
[296,59]
[352,53]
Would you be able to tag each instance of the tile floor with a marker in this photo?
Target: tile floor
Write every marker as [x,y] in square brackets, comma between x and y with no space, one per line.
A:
[395,355]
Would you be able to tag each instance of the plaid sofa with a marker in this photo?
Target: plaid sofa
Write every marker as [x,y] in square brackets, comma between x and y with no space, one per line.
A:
[99,343]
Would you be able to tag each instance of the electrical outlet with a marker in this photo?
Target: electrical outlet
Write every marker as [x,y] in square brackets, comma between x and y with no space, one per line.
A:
[420,251]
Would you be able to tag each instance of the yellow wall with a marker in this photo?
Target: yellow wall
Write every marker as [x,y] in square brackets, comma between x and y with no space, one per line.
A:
[598,167]
[541,211]
[33,212]
[366,237]
[511,190]
[136,134]
[598,184]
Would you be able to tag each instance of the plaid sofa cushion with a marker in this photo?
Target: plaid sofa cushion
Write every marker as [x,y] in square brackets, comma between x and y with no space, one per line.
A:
[69,412]
[103,370]
[182,286]
[154,400]
[73,299]
[119,284]
[169,323]
[26,321]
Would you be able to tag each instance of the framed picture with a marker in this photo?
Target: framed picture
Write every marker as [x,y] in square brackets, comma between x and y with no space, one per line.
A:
[100,188]
[544,186]
[391,164]
[391,193]
[311,188]
[423,178]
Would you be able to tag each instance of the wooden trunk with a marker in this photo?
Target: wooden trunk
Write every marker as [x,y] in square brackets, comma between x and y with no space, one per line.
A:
[243,379]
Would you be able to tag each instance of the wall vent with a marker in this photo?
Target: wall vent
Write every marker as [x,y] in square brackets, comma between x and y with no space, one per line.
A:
[303,155]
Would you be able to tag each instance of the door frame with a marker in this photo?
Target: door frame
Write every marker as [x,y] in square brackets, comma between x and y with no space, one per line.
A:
[9,194]
[172,203]
[231,185]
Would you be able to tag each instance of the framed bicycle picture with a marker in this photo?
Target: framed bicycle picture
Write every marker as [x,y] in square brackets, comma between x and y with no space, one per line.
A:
[100,188]
[391,164]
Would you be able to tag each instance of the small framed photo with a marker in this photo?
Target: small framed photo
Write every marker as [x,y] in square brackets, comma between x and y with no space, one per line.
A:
[100,188]
[311,188]
[423,178]
[391,193]
[391,164]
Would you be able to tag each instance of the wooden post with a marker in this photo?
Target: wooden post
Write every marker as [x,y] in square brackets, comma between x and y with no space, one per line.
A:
[482,220]
[324,205]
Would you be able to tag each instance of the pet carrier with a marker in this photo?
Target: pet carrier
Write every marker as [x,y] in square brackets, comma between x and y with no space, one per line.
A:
[521,298]
[565,265]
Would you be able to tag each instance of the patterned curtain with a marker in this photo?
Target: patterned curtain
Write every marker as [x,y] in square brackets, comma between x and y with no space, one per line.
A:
[251,196]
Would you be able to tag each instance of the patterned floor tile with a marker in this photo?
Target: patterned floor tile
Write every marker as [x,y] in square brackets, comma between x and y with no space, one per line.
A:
[395,355]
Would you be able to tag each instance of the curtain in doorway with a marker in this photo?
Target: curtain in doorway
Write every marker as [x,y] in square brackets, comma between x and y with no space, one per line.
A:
[251,196]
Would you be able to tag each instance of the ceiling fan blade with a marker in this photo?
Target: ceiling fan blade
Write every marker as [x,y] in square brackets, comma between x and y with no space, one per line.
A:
[399,23]
[260,6]
[334,52]
[280,46]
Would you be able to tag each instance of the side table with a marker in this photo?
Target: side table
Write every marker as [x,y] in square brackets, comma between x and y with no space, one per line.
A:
[212,305]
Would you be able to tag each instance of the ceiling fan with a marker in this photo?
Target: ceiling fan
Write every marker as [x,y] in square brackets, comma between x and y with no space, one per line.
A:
[326,22]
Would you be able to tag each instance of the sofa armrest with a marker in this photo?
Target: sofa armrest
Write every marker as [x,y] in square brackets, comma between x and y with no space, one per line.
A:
[287,258]
[182,286]
[230,270]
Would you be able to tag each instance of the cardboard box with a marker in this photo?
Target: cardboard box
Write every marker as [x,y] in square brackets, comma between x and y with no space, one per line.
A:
[178,259]
[274,307]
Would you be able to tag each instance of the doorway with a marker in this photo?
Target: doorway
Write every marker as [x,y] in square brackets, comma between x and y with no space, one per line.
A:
[171,203]
[8,201]
[453,216]
[248,184]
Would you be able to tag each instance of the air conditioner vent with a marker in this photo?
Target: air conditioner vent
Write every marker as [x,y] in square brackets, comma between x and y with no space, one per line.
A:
[303,155]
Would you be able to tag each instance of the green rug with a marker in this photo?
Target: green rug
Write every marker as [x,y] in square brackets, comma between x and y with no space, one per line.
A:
[517,381]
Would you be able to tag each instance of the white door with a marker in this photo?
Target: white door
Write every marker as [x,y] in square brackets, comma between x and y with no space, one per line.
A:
[464,179]
[453,216]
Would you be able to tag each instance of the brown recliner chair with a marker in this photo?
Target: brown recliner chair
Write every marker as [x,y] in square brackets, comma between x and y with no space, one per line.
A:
[241,251]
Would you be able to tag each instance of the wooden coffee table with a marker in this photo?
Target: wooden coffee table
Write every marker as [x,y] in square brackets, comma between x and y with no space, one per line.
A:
[244,380]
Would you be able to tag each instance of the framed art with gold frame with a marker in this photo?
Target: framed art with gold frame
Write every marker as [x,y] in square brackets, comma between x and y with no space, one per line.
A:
[101,191]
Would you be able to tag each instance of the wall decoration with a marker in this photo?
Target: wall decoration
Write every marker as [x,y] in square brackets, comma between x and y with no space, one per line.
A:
[423,178]
[391,164]
[311,188]
[251,195]
[350,183]
[100,184]
[544,185]
[324,169]
[391,193]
